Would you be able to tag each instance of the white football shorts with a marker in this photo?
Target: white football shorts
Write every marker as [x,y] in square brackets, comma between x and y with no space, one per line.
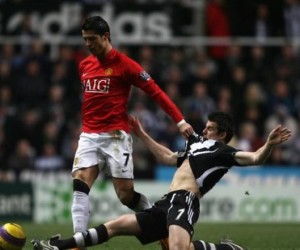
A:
[111,151]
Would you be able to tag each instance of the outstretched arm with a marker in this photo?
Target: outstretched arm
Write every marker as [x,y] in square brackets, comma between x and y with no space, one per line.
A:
[277,136]
[162,153]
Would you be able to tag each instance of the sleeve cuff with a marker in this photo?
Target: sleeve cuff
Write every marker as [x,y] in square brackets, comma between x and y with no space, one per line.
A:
[180,123]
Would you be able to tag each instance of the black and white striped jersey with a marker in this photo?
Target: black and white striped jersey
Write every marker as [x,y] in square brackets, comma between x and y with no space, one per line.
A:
[209,160]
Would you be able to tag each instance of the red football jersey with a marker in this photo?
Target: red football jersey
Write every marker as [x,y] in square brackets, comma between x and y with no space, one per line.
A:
[106,89]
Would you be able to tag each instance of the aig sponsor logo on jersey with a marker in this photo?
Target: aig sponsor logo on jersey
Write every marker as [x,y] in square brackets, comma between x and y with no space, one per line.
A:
[96,85]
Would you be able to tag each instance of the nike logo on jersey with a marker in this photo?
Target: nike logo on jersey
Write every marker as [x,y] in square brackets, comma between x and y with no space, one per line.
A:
[84,74]
[124,170]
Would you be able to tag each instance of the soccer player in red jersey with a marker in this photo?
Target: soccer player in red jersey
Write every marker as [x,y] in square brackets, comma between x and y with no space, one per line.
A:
[201,164]
[105,144]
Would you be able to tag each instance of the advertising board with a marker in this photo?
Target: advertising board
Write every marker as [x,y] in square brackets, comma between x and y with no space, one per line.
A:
[16,201]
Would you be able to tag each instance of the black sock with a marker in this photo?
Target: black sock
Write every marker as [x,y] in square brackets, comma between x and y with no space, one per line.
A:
[102,233]
[90,237]
[135,200]
[64,244]
[85,239]
[203,245]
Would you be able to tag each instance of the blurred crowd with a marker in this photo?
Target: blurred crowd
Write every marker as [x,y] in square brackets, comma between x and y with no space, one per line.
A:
[40,99]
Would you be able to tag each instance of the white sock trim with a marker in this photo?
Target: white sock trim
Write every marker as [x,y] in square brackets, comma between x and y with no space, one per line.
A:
[212,246]
[94,236]
[203,243]
[79,239]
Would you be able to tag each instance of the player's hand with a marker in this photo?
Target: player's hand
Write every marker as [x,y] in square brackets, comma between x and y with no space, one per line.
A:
[279,135]
[186,130]
[135,126]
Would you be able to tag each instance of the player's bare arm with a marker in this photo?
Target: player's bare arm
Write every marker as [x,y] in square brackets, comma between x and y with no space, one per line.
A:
[277,136]
[162,154]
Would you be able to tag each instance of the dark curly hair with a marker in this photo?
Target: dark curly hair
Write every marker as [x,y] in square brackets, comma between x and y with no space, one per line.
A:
[224,124]
[96,24]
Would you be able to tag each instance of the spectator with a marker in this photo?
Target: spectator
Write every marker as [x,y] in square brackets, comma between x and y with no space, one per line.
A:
[149,62]
[281,96]
[282,116]
[173,75]
[65,72]
[292,153]
[286,66]
[248,138]
[202,73]
[49,160]
[217,26]
[2,147]
[238,84]
[291,15]
[169,137]
[9,55]
[234,58]
[262,23]
[177,58]
[31,88]
[297,100]
[224,101]
[254,106]
[8,112]
[200,67]
[37,52]
[6,74]
[22,158]
[29,127]
[255,115]
[257,64]
[69,143]
[198,106]
[57,106]
[278,158]
[146,117]
[52,133]
[25,33]
[172,90]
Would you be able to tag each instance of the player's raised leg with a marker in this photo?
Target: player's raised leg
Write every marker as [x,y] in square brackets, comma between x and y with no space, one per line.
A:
[129,197]
[124,225]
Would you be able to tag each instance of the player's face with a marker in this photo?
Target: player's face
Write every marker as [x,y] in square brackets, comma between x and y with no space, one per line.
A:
[98,45]
[211,131]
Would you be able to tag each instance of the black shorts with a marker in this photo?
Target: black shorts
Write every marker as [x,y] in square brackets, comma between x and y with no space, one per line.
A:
[176,208]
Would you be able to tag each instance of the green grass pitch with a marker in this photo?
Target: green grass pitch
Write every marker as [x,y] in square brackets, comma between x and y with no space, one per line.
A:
[270,236]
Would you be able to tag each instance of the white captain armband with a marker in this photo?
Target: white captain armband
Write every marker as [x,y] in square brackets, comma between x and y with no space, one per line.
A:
[180,123]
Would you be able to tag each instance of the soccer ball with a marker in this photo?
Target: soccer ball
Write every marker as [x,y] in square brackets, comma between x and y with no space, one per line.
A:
[12,237]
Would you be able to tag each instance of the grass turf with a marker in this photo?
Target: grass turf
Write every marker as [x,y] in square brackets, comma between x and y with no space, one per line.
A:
[271,236]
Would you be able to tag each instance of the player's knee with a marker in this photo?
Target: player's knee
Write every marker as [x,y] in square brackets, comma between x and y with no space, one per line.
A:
[177,244]
[86,175]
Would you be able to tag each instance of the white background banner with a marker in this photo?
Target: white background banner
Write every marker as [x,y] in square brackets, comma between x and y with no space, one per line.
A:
[226,202]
